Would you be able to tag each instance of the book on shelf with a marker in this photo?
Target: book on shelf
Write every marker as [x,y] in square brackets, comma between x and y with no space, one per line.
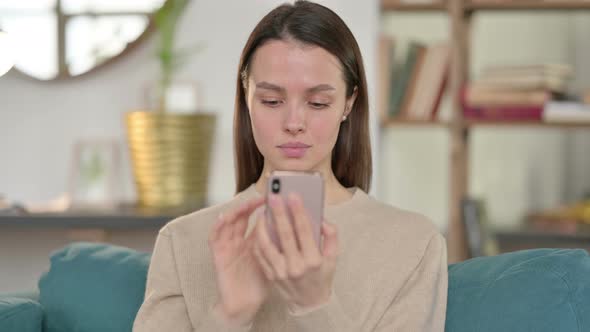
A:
[418,83]
[385,61]
[565,217]
[401,75]
[515,92]
[504,113]
[411,89]
[527,77]
[430,84]
[500,112]
[525,82]
[548,69]
[566,111]
[480,240]
[542,224]
[480,96]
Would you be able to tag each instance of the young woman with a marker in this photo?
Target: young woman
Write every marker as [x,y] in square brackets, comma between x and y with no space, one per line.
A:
[301,105]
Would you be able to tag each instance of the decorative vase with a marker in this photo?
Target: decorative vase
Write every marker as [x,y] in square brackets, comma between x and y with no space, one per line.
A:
[170,156]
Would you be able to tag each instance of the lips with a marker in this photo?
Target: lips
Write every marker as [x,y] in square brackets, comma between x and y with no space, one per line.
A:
[294,149]
[294,145]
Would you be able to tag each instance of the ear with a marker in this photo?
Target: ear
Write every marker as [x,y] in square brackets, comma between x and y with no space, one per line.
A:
[350,101]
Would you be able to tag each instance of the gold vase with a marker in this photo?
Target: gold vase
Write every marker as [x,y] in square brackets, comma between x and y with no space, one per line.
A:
[170,155]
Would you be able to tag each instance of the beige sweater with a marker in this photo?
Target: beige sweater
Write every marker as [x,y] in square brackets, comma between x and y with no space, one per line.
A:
[391,275]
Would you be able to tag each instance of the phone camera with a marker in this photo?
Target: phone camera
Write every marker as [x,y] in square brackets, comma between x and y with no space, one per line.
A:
[276,186]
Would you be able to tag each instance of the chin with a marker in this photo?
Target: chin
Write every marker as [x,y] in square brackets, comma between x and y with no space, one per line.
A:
[298,165]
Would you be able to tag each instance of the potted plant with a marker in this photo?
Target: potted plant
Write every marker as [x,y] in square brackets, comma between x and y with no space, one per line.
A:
[170,150]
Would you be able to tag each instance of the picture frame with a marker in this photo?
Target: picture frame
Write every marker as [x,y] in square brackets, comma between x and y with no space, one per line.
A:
[94,174]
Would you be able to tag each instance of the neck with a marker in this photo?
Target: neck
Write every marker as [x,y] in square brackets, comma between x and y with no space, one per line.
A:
[334,191]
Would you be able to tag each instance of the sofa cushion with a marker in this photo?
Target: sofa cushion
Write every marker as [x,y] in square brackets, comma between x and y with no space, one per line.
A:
[20,315]
[25,294]
[93,287]
[530,290]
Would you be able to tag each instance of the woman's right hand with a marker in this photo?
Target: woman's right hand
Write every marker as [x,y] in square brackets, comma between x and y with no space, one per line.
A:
[241,283]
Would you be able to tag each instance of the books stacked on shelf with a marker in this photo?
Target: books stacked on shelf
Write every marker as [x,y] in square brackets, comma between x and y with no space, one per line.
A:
[576,110]
[413,89]
[514,93]
[566,112]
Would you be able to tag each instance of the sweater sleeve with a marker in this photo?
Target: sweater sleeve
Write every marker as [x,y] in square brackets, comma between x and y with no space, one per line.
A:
[164,307]
[326,318]
[422,302]
[419,306]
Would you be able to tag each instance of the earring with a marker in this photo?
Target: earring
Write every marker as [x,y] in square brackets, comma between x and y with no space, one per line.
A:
[344,118]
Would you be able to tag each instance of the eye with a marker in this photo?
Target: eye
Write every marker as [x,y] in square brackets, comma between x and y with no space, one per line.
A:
[271,102]
[319,106]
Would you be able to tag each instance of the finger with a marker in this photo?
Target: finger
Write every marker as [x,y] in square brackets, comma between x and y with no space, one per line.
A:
[264,264]
[237,216]
[215,232]
[240,223]
[242,227]
[330,248]
[304,230]
[284,228]
[244,210]
[226,229]
[269,251]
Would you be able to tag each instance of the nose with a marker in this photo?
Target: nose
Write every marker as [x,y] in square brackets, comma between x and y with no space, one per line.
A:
[295,120]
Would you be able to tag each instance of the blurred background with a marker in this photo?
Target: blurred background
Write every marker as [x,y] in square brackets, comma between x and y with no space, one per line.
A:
[117,117]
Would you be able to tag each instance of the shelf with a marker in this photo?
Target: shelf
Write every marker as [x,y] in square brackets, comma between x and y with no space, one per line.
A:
[537,124]
[484,123]
[399,5]
[527,5]
[460,30]
[121,218]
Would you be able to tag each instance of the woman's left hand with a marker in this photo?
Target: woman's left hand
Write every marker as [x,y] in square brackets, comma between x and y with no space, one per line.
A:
[302,274]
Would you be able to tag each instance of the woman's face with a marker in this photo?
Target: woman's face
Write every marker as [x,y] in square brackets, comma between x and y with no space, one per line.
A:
[296,96]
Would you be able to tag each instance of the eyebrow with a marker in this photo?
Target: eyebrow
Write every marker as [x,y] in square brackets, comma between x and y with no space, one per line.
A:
[274,87]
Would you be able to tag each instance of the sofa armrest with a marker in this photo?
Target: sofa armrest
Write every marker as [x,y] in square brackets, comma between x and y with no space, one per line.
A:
[537,290]
[30,294]
[20,314]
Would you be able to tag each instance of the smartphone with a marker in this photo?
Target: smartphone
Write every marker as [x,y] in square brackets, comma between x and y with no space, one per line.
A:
[309,186]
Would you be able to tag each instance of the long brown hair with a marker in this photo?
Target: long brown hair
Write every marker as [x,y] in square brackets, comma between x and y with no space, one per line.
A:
[310,24]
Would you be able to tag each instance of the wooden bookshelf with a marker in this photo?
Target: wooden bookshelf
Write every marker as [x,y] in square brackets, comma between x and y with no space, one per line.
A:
[459,14]
[526,5]
[498,5]
[529,124]
[487,123]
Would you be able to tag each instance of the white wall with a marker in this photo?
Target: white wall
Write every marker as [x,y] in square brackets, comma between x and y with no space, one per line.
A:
[40,121]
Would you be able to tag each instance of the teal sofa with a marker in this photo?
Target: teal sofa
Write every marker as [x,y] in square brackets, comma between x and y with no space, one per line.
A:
[98,287]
